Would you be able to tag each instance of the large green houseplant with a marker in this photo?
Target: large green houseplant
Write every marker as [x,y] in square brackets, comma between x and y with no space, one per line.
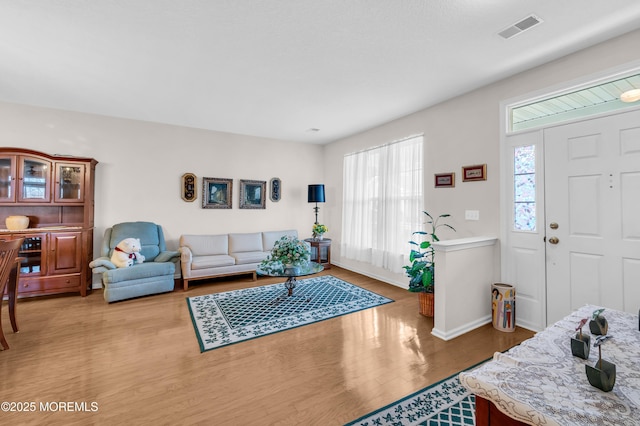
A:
[422,268]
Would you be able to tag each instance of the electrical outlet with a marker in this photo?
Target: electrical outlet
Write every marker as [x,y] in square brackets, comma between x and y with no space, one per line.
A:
[472,214]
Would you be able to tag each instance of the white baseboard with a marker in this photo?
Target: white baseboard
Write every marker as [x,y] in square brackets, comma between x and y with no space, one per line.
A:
[462,329]
[374,276]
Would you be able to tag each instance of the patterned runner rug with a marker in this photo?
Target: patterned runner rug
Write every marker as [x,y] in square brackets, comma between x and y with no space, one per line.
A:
[446,403]
[222,319]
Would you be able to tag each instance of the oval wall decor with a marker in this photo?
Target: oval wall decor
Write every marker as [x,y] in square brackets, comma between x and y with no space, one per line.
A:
[189,187]
[276,189]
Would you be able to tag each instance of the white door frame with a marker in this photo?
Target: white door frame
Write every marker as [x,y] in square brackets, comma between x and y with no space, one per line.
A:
[505,167]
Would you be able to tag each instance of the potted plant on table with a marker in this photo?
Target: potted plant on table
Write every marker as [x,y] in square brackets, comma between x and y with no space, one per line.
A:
[318,231]
[421,271]
[287,252]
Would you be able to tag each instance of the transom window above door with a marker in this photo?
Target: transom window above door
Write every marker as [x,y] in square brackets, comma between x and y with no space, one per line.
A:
[577,103]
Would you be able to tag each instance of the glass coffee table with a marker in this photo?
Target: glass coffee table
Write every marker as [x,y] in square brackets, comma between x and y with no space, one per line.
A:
[291,273]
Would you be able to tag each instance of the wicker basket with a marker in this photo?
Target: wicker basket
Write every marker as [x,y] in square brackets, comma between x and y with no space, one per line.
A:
[425,302]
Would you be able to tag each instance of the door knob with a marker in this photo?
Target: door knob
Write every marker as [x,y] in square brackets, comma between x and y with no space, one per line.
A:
[554,240]
[553,225]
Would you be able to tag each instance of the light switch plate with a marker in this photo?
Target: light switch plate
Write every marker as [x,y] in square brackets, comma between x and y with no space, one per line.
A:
[472,214]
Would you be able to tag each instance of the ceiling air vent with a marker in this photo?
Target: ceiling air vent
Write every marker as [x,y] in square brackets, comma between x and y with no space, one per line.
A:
[520,26]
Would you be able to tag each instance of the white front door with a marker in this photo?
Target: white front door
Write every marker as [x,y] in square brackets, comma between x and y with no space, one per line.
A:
[592,214]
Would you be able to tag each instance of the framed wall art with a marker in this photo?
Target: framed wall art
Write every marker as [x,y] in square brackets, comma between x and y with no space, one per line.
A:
[445,180]
[216,193]
[477,172]
[252,194]
[275,185]
[189,187]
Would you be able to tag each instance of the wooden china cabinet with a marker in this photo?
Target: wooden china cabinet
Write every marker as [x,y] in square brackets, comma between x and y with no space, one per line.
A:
[57,194]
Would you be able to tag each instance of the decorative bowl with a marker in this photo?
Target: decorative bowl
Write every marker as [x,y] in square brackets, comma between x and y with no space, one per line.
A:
[17,223]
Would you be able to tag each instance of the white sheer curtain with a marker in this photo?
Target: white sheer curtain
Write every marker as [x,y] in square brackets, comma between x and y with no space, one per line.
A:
[383,202]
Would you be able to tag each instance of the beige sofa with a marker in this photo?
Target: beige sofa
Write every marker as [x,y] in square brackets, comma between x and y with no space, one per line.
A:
[209,256]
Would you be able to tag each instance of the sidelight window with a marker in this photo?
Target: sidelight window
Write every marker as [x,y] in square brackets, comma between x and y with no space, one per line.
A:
[524,184]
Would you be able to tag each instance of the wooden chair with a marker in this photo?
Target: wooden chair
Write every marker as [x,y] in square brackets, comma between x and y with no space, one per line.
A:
[8,255]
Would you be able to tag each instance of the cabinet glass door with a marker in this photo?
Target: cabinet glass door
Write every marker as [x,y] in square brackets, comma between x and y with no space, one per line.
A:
[7,179]
[69,182]
[31,254]
[36,181]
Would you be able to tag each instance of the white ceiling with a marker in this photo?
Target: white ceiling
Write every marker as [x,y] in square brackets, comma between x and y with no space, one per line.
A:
[277,68]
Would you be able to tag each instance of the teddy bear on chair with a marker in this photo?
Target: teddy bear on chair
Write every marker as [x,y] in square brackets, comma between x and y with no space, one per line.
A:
[127,252]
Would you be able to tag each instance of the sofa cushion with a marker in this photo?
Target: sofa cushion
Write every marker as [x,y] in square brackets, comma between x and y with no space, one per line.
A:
[206,245]
[246,257]
[215,261]
[138,270]
[269,238]
[239,243]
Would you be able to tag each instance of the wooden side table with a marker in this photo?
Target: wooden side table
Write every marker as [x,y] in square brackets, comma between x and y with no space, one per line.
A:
[320,251]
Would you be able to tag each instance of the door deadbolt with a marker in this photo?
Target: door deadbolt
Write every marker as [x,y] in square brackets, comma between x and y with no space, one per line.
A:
[553,225]
[554,240]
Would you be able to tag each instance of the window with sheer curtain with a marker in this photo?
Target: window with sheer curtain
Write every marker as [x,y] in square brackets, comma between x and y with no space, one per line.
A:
[382,202]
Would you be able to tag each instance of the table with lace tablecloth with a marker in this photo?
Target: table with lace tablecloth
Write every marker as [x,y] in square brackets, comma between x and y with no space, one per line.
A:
[540,382]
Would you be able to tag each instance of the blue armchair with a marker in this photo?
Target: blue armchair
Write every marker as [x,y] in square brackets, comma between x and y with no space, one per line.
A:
[155,275]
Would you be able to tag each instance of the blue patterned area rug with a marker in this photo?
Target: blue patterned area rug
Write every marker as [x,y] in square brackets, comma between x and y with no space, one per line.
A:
[222,319]
[446,403]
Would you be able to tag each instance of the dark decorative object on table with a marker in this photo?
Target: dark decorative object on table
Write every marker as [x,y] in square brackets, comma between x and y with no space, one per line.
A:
[598,324]
[292,270]
[581,344]
[603,374]
[422,269]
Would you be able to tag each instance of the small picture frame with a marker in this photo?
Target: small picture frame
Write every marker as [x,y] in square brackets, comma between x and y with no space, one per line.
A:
[473,173]
[276,189]
[189,187]
[216,193]
[252,194]
[445,180]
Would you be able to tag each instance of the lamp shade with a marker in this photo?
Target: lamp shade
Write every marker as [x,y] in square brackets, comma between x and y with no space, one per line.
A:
[316,194]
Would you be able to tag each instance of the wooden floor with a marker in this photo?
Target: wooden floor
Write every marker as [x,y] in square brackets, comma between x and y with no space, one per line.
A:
[138,362]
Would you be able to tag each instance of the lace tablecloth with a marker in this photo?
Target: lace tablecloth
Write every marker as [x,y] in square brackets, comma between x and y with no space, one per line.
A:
[539,382]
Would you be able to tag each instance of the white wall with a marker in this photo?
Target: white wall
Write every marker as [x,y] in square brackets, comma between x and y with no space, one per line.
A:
[462,298]
[464,131]
[138,176]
